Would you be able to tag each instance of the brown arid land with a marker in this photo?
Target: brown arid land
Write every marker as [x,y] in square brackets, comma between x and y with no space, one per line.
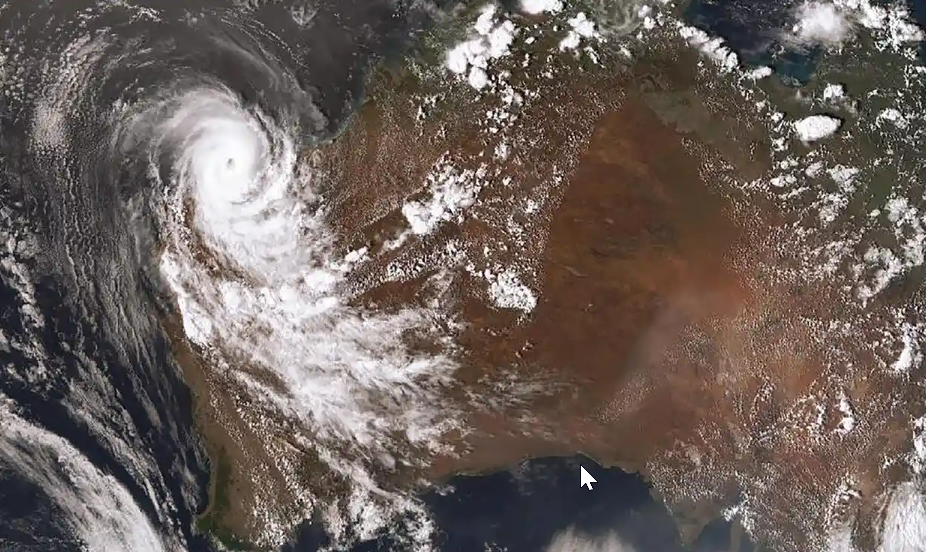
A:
[667,337]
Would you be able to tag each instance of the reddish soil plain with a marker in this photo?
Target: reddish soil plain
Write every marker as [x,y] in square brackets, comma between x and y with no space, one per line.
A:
[664,339]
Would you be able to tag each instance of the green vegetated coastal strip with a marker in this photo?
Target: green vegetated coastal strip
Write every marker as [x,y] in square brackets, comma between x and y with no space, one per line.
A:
[210,522]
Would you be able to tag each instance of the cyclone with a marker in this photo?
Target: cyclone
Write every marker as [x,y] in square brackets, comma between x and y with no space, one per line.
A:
[246,306]
[154,165]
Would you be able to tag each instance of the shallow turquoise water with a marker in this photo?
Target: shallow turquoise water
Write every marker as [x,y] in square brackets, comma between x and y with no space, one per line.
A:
[750,29]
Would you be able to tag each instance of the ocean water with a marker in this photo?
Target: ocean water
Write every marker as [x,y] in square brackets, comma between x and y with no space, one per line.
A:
[918,11]
[752,29]
[98,447]
[539,506]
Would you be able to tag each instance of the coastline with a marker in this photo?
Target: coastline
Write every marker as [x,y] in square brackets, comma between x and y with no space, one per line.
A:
[234,526]
[638,247]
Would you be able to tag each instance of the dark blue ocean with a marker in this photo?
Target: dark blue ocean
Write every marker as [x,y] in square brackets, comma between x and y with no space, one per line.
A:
[751,28]
[100,344]
[526,508]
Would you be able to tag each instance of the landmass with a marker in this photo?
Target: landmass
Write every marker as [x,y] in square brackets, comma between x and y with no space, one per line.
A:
[611,288]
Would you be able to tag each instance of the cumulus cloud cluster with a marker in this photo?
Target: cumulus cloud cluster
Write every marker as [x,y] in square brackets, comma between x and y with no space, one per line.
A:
[833,23]
[820,23]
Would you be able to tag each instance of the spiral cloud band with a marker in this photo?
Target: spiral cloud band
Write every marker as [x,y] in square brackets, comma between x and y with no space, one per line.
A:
[153,166]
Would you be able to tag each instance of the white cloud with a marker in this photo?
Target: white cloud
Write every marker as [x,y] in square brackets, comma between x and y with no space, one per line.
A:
[508,292]
[831,23]
[97,507]
[711,47]
[473,57]
[905,521]
[816,127]
[821,23]
[581,27]
[536,7]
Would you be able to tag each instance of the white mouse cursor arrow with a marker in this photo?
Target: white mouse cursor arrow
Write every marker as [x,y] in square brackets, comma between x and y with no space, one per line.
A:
[586,478]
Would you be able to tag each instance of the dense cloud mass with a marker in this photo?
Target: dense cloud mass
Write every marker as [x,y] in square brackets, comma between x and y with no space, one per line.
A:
[145,148]
[555,239]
